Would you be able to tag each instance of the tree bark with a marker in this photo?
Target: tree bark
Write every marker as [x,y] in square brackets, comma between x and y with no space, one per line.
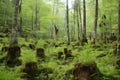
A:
[95,23]
[20,11]
[118,45]
[55,12]
[78,24]
[5,12]
[32,19]
[14,38]
[67,23]
[73,27]
[84,19]
[37,16]
[80,17]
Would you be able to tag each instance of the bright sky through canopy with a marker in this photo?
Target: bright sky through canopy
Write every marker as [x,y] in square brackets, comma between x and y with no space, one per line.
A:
[69,2]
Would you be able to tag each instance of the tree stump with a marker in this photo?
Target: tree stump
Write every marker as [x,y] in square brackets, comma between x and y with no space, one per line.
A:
[67,53]
[12,56]
[6,30]
[84,71]
[40,52]
[31,70]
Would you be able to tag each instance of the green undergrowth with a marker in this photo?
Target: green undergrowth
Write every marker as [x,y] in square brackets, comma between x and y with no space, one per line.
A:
[61,69]
[10,73]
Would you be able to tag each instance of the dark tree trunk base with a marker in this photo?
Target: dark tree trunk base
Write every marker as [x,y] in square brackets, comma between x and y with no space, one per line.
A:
[83,41]
[67,53]
[84,71]
[31,70]
[12,56]
[40,52]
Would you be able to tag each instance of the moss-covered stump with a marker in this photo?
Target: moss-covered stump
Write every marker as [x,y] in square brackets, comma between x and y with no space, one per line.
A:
[67,53]
[40,52]
[31,71]
[13,55]
[84,71]
[6,30]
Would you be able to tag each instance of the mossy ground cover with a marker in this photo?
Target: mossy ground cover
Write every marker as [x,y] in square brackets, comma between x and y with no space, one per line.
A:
[61,69]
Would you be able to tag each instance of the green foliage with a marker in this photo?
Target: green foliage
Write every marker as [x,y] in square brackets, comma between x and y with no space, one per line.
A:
[22,42]
[52,12]
[9,74]
[41,43]
[28,56]
[60,69]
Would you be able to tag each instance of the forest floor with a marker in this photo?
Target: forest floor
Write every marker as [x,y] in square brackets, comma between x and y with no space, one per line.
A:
[54,66]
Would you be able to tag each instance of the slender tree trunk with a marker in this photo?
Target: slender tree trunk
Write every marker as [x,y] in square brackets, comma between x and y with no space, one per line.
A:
[32,19]
[5,12]
[73,27]
[37,16]
[118,46]
[74,24]
[55,12]
[78,25]
[95,23]
[36,19]
[20,11]
[110,22]
[14,38]
[84,19]
[67,23]
[80,17]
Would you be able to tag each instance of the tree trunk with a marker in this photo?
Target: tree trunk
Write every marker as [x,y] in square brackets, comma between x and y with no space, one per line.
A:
[5,12]
[78,25]
[95,23]
[118,46]
[55,12]
[20,11]
[74,25]
[37,16]
[14,39]
[80,18]
[84,19]
[32,17]
[84,38]
[110,22]
[67,23]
